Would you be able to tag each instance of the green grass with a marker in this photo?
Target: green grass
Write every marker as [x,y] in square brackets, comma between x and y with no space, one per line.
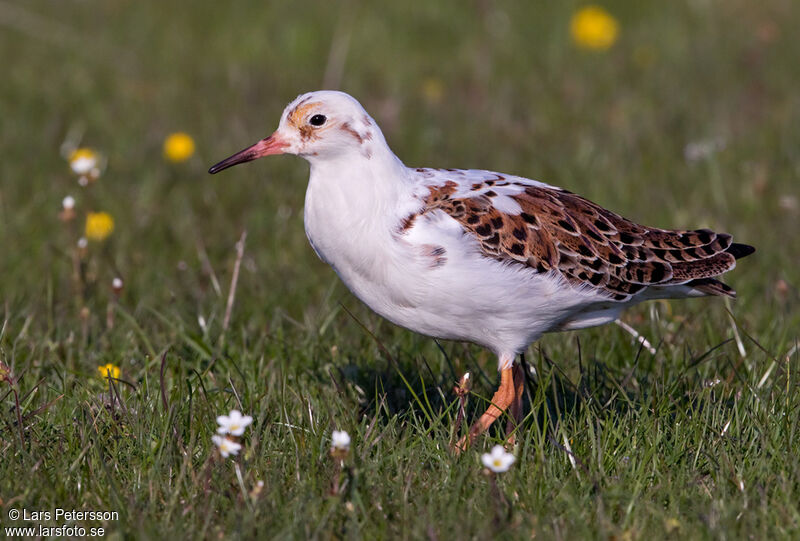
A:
[696,441]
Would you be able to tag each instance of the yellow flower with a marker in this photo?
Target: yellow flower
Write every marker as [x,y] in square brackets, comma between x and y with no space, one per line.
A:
[178,147]
[109,369]
[99,225]
[592,27]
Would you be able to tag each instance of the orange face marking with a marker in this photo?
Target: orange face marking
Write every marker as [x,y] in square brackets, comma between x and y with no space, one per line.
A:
[297,116]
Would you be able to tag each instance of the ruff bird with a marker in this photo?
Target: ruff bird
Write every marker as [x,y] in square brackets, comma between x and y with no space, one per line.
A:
[472,255]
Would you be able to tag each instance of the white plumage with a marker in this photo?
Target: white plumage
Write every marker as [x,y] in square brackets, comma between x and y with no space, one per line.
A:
[473,255]
[354,203]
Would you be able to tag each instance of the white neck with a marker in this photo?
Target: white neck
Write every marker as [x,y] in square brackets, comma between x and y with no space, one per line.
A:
[369,177]
[353,208]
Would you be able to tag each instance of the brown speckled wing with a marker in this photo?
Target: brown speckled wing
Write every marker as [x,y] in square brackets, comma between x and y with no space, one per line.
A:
[562,232]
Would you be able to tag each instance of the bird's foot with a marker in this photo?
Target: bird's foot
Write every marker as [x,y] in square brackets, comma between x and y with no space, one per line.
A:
[460,446]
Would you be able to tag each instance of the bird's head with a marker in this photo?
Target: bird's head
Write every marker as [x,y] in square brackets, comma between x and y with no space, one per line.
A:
[317,126]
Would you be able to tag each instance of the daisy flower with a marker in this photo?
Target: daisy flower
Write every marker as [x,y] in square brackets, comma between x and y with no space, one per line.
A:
[83,161]
[340,441]
[234,423]
[226,447]
[498,460]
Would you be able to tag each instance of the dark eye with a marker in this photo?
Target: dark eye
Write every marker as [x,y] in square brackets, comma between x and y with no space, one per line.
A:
[317,120]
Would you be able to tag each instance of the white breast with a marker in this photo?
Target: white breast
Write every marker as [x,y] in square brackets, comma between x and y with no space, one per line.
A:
[350,228]
[451,292]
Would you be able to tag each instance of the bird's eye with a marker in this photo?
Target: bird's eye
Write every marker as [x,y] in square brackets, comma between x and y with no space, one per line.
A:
[317,120]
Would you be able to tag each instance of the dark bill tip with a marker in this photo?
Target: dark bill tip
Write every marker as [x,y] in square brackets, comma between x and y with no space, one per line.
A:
[239,157]
[265,147]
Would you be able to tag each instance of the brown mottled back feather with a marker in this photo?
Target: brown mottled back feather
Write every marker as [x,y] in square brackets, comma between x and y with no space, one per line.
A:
[588,245]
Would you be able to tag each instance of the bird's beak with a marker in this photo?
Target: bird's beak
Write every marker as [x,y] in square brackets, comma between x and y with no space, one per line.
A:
[273,144]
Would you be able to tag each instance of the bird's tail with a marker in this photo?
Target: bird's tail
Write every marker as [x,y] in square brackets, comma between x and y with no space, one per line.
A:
[711,286]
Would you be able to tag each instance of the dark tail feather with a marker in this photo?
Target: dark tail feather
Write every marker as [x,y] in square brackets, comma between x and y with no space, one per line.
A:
[707,284]
[710,286]
[739,251]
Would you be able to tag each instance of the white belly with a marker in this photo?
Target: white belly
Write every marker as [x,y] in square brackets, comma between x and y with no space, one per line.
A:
[462,296]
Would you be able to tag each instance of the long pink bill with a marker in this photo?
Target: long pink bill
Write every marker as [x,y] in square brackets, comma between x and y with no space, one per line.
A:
[266,147]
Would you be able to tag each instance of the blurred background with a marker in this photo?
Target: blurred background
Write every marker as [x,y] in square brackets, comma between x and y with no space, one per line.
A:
[118,250]
[676,114]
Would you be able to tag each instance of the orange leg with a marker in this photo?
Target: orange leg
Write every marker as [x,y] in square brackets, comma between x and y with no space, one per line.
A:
[516,404]
[509,394]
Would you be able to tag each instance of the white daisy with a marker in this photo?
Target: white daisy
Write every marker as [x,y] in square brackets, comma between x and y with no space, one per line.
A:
[226,447]
[83,161]
[499,460]
[234,423]
[340,440]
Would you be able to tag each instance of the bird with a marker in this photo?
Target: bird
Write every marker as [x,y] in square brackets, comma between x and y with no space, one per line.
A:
[472,255]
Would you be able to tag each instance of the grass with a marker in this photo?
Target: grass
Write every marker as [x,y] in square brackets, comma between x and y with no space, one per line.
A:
[699,440]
